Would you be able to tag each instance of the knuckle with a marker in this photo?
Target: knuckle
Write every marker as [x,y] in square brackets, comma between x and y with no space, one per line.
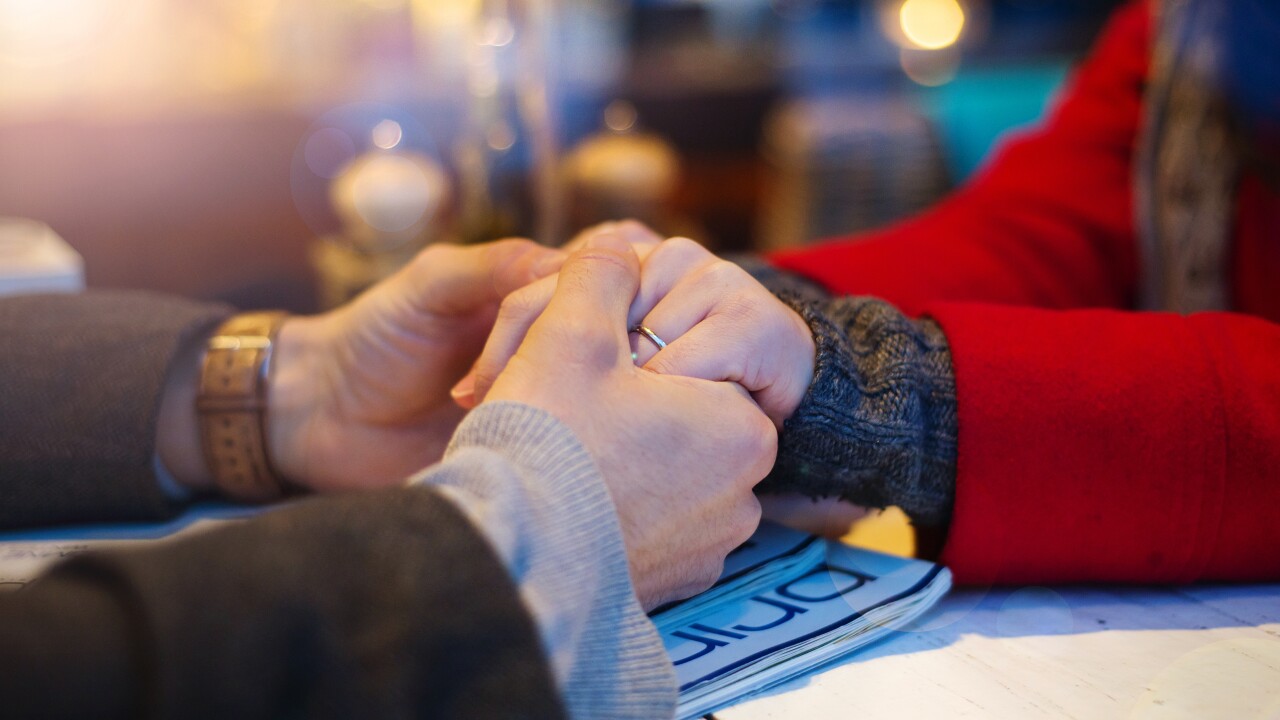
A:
[758,446]
[425,262]
[740,307]
[723,273]
[486,370]
[682,250]
[518,306]
[603,260]
[748,519]
[707,574]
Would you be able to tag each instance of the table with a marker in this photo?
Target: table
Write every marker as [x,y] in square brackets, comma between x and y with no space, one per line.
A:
[1067,652]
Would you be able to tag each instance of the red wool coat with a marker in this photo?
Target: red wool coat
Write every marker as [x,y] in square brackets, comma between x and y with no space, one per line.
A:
[1095,443]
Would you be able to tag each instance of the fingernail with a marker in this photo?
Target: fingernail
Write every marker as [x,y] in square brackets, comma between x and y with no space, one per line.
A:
[464,393]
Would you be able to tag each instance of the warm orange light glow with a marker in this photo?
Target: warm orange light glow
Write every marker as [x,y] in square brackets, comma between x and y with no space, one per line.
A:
[45,33]
[931,24]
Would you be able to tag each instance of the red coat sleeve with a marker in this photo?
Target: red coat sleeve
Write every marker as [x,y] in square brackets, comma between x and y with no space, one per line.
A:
[1094,445]
[1048,223]
[1097,445]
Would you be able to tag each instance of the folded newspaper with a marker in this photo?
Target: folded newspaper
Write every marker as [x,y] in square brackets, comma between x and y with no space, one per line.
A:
[787,604]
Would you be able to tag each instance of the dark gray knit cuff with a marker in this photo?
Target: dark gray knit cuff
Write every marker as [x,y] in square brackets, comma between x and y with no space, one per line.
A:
[878,424]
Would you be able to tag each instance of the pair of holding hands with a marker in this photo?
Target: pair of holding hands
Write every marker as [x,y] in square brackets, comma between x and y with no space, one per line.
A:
[368,394]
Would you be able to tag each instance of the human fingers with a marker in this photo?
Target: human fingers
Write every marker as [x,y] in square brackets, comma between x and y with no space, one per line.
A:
[641,236]
[719,323]
[513,271]
[681,519]
[680,287]
[516,315]
[685,571]
[759,343]
[521,310]
[594,292]
[524,306]
[449,280]
[664,267]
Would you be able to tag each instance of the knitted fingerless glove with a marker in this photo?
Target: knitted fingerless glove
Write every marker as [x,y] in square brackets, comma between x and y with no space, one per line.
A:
[877,426]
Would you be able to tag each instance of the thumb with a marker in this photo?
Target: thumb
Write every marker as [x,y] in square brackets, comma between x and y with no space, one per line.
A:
[596,287]
[454,280]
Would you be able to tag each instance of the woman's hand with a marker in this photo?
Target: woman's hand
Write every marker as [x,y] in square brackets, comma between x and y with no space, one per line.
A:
[679,455]
[718,322]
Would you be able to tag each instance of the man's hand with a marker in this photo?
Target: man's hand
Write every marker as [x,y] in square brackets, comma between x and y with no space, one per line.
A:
[717,321]
[679,455]
[360,396]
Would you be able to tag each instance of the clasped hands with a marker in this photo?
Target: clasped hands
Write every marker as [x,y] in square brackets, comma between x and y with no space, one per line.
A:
[361,396]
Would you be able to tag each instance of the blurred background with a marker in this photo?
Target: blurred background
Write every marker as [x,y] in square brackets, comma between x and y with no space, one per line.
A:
[286,153]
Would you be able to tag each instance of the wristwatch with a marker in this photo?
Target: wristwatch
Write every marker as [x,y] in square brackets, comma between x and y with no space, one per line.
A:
[231,404]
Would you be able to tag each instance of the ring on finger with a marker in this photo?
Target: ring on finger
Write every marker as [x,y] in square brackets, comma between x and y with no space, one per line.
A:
[649,335]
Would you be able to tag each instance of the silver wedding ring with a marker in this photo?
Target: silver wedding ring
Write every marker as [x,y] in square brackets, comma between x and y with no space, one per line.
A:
[650,335]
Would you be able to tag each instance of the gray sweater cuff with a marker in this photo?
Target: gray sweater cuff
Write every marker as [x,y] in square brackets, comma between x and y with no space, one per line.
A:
[878,424]
[536,494]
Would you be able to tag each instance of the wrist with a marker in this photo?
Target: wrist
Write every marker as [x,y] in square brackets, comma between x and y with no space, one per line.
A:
[178,430]
[232,406]
[296,373]
[805,364]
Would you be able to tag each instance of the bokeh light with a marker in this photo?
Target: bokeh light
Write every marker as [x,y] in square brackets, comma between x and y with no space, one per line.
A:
[930,68]
[620,116]
[500,136]
[931,24]
[387,134]
[41,32]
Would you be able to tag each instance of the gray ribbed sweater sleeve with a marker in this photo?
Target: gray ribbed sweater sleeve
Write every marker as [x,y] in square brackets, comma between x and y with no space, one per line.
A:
[878,424]
[529,485]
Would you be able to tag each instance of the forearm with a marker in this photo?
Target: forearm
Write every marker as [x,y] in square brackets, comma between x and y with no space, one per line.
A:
[534,491]
[1103,446]
[84,380]
[386,604]
[330,575]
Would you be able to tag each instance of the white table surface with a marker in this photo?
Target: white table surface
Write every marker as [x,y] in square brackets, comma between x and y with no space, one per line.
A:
[1079,652]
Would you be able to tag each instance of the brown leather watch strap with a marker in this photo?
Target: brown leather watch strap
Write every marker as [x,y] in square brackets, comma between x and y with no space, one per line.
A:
[232,407]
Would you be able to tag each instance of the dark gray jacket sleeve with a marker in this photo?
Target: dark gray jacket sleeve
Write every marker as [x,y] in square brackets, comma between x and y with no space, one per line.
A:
[378,605]
[82,379]
[878,424]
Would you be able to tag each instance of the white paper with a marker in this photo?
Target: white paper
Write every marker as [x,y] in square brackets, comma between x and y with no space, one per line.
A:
[753,635]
